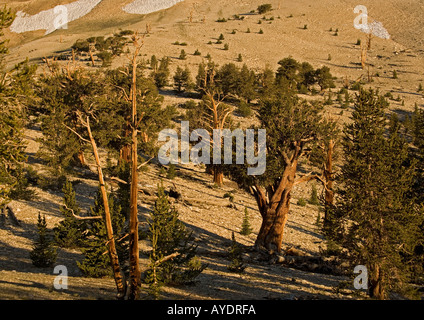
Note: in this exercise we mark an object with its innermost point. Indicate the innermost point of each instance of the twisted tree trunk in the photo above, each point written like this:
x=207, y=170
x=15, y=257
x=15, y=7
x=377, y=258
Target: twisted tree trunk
x=274, y=206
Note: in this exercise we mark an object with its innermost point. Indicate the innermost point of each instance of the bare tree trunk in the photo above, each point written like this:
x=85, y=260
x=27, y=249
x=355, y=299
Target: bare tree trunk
x=91, y=55
x=328, y=186
x=218, y=175
x=363, y=57
x=135, y=274
x=118, y=275
x=81, y=158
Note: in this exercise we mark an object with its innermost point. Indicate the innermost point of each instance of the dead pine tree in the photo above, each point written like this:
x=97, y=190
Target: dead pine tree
x=214, y=115
x=113, y=254
x=220, y=114
x=363, y=56
x=369, y=37
x=134, y=268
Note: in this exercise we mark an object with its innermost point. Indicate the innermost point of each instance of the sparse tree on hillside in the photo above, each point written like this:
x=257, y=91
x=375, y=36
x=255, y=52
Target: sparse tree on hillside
x=162, y=73
x=264, y=8
x=182, y=79
x=43, y=253
x=212, y=113
x=324, y=78
x=172, y=259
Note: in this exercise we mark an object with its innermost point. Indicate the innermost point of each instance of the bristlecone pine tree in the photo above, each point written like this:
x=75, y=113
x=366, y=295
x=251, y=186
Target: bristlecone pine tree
x=43, y=253
x=379, y=219
x=292, y=127
x=69, y=232
x=172, y=259
x=96, y=262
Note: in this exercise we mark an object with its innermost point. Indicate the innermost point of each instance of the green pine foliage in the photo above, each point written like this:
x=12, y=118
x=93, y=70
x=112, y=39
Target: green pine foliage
x=112, y=129
x=168, y=236
x=264, y=8
x=161, y=75
x=183, y=55
x=314, y=200
x=235, y=256
x=96, y=262
x=171, y=173
x=379, y=223
x=244, y=109
x=182, y=79
x=15, y=94
x=246, y=228
x=43, y=253
x=69, y=233
x=61, y=97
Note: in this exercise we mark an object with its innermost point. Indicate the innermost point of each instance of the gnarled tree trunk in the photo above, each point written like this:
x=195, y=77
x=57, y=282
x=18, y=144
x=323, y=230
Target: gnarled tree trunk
x=274, y=208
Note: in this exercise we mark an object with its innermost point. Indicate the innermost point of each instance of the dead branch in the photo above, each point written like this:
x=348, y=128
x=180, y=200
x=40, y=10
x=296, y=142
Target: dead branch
x=82, y=218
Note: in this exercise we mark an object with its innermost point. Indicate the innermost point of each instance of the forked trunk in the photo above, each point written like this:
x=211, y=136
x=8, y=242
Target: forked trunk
x=275, y=211
x=270, y=235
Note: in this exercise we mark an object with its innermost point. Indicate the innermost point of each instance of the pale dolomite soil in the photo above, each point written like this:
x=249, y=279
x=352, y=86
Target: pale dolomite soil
x=149, y=6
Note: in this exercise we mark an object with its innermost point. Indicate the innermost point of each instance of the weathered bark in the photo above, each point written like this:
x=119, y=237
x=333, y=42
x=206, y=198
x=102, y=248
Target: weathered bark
x=135, y=275
x=376, y=289
x=90, y=51
x=125, y=154
x=113, y=254
x=218, y=175
x=81, y=158
x=274, y=209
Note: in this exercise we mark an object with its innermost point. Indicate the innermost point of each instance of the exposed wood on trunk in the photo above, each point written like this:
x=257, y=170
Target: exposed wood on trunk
x=90, y=51
x=134, y=280
x=118, y=275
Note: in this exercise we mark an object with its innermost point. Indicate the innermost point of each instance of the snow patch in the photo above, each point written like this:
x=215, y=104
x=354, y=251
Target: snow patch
x=149, y=6
x=52, y=19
